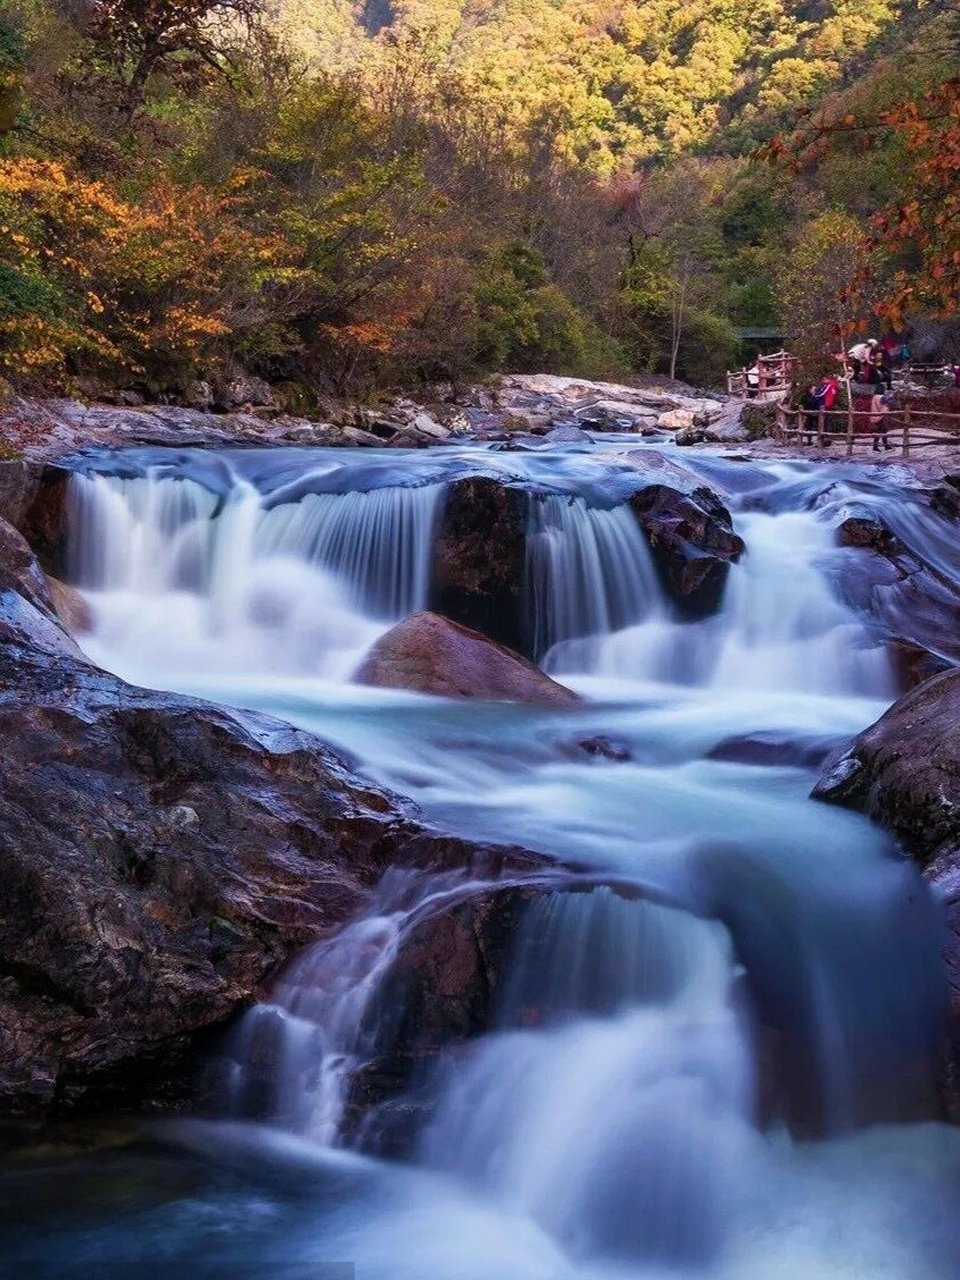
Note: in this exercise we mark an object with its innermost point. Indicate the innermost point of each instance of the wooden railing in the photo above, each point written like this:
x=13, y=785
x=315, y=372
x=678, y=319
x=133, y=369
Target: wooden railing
x=906, y=429
x=774, y=375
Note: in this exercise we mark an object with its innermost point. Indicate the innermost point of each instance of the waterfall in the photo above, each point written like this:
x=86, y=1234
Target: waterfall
x=599, y=1110
x=588, y=573
x=608, y=1102
x=182, y=578
x=780, y=626
x=294, y=1055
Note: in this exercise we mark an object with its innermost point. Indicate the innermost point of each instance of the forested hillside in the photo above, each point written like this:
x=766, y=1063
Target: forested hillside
x=344, y=197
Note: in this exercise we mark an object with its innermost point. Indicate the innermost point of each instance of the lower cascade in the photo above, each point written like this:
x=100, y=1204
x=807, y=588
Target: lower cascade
x=704, y=1046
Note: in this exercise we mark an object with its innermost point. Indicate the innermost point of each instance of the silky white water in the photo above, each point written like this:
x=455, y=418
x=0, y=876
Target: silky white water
x=613, y=1120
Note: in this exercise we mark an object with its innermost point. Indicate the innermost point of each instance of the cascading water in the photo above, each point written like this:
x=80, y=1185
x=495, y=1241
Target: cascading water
x=604, y=1105
x=288, y=587
x=781, y=626
x=606, y=1125
x=588, y=571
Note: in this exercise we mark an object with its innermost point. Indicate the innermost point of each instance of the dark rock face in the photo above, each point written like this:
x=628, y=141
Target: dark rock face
x=904, y=771
x=431, y=654
x=479, y=559
x=867, y=531
x=909, y=603
x=693, y=544
x=442, y=991
x=45, y=519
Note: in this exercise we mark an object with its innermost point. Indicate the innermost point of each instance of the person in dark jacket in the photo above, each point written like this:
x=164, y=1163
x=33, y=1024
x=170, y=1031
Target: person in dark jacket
x=811, y=404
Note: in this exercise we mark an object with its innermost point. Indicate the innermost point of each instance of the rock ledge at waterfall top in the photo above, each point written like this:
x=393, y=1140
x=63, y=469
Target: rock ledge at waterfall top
x=692, y=541
x=42, y=430
x=430, y=654
x=160, y=858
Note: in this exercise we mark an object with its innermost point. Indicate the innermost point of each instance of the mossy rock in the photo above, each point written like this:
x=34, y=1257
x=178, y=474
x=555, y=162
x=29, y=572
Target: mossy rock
x=758, y=419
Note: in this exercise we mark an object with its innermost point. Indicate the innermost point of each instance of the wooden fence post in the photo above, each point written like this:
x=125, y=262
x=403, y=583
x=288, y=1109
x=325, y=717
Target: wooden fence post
x=820, y=429
x=906, y=431
x=849, y=425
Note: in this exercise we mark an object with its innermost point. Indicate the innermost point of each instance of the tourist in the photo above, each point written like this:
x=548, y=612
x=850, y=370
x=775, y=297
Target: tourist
x=829, y=391
x=753, y=379
x=880, y=406
x=860, y=353
x=810, y=405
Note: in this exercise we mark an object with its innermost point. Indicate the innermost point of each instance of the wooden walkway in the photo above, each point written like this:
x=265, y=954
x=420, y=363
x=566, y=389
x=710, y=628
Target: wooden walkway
x=906, y=429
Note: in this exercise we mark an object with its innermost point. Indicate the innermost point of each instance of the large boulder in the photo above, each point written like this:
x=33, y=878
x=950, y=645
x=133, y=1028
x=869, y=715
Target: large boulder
x=693, y=544
x=431, y=654
x=478, y=564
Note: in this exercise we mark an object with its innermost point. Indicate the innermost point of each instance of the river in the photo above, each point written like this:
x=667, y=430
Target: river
x=619, y=1134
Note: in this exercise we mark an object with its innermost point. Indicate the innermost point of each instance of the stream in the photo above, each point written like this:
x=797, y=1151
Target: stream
x=618, y=1135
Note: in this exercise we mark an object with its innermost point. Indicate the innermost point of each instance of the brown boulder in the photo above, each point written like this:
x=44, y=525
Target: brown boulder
x=70, y=606
x=693, y=544
x=430, y=654
x=478, y=565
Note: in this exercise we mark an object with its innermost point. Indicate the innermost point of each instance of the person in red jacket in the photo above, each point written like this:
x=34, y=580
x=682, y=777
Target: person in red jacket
x=828, y=391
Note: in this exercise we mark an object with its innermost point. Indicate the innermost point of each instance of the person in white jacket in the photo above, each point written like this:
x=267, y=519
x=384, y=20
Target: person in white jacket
x=860, y=353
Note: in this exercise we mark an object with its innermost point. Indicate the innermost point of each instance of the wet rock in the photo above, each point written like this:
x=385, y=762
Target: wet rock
x=676, y=420
x=568, y=433
x=870, y=532
x=906, y=602
x=19, y=483
x=45, y=520
x=70, y=606
x=904, y=772
x=693, y=544
x=604, y=748
x=478, y=565
x=430, y=654
x=774, y=750
x=442, y=991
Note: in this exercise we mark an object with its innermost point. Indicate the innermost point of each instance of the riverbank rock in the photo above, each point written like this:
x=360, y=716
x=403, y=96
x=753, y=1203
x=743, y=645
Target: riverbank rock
x=911, y=604
x=904, y=772
x=478, y=562
x=431, y=654
x=70, y=606
x=693, y=544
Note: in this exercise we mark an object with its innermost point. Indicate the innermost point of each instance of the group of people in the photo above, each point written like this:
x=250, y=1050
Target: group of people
x=868, y=372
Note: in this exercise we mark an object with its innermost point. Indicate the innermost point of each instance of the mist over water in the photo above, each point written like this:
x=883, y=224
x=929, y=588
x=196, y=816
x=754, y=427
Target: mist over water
x=614, y=1120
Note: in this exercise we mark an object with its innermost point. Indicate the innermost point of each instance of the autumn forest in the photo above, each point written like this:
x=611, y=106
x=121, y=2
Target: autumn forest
x=343, y=197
